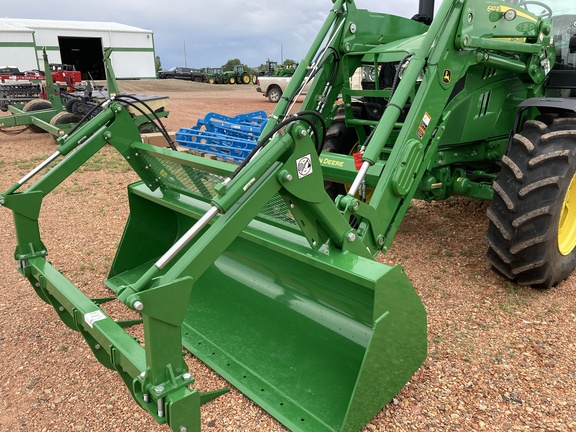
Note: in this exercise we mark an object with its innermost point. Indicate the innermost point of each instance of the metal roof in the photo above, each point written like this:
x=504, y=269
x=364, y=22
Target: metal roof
x=16, y=24
x=9, y=26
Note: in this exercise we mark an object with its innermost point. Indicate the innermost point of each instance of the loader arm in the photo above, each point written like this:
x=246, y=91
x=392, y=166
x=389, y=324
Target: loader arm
x=462, y=36
x=208, y=244
x=403, y=144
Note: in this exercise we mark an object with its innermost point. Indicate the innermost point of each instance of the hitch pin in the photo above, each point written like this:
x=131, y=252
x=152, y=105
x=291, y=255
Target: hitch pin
x=160, y=407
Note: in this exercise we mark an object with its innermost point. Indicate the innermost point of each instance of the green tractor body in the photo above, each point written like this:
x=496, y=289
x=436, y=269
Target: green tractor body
x=266, y=271
x=236, y=76
x=272, y=68
x=213, y=75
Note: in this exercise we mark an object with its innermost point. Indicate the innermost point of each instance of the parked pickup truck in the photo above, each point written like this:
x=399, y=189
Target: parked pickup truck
x=272, y=87
x=182, y=73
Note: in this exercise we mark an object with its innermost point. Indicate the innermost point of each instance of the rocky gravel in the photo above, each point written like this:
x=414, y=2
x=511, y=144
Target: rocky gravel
x=501, y=357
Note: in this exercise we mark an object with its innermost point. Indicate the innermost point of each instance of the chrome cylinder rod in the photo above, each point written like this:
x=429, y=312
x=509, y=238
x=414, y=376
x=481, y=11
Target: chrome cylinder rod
x=189, y=235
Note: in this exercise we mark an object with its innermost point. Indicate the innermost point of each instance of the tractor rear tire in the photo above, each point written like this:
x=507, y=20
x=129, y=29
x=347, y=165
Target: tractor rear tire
x=36, y=105
x=211, y=80
x=245, y=78
x=254, y=79
x=532, y=219
x=343, y=140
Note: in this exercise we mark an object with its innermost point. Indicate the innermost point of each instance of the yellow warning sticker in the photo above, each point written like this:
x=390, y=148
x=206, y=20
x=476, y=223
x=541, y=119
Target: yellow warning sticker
x=423, y=125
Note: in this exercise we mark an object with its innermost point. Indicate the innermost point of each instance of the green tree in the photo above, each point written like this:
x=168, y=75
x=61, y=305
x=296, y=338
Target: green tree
x=157, y=63
x=229, y=65
x=288, y=62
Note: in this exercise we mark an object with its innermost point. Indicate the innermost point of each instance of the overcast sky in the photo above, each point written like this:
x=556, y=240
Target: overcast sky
x=209, y=33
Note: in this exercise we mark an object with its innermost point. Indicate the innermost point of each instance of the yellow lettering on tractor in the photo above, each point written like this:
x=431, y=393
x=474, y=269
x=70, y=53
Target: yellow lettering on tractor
x=326, y=161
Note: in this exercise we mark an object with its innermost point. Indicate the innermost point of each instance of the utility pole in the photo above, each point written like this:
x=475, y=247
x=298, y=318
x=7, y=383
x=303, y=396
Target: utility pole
x=281, y=54
x=185, y=61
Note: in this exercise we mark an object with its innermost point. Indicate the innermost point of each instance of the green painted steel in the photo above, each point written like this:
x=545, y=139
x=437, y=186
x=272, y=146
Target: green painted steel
x=255, y=269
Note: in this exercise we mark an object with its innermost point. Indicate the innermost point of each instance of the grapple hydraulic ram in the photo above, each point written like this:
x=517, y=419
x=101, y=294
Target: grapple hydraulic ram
x=256, y=269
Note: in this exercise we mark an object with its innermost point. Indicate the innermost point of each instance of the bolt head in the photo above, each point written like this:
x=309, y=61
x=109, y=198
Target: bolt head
x=351, y=237
x=138, y=305
x=159, y=389
x=186, y=376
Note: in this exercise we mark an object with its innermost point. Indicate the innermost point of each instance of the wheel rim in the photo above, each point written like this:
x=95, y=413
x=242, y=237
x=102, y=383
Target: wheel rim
x=275, y=96
x=567, y=225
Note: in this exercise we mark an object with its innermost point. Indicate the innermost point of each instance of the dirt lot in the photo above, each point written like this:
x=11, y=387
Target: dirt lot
x=501, y=357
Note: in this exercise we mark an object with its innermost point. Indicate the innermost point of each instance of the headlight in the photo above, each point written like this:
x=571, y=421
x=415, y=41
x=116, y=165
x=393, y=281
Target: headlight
x=403, y=68
x=368, y=73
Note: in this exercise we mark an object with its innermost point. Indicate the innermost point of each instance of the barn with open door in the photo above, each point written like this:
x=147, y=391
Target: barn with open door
x=78, y=43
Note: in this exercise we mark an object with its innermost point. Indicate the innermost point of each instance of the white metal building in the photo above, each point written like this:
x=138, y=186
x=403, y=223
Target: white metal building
x=80, y=43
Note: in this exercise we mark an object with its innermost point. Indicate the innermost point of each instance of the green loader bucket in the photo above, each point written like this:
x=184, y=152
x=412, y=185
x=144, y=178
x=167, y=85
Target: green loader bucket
x=259, y=276
x=321, y=340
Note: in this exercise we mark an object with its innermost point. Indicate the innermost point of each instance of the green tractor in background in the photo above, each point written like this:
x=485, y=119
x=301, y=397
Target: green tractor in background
x=212, y=75
x=272, y=68
x=236, y=76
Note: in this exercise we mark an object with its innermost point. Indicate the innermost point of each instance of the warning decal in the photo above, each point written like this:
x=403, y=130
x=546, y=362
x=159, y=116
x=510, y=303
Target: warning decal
x=423, y=125
x=304, y=166
x=92, y=317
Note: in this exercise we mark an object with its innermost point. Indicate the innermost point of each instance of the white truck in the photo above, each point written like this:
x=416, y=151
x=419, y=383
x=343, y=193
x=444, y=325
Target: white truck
x=273, y=87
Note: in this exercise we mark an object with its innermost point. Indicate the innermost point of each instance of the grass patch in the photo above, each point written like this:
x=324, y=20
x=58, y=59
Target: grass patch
x=32, y=383
x=28, y=164
x=514, y=297
x=109, y=162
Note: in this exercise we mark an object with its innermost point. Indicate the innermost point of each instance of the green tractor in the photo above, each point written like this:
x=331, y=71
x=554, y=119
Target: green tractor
x=236, y=76
x=266, y=271
x=212, y=75
x=272, y=68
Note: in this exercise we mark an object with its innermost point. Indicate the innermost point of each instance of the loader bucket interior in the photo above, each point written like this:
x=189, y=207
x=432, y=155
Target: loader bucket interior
x=320, y=341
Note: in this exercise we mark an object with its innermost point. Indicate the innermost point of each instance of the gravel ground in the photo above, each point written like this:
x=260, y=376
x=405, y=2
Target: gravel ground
x=500, y=356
